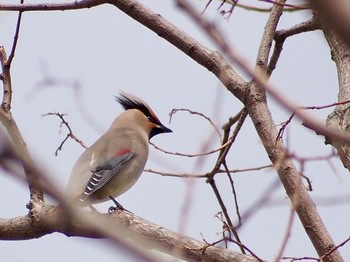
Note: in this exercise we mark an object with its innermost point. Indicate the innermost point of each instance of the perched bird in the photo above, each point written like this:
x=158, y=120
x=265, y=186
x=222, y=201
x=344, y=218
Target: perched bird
x=116, y=160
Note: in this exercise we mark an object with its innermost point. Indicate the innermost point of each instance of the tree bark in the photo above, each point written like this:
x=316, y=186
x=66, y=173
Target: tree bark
x=49, y=219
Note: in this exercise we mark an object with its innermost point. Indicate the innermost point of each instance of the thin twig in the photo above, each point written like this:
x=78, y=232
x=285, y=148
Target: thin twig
x=15, y=38
x=292, y=259
x=284, y=4
x=191, y=155
x=220, y=161
x=186, y=175
x=334, y=248
x=283, y=127
x=286, y=236
x=325, y=106
x=182, y=175
x=280, y=36
x=76, y=5
x=289, y=8
x=288, y=121
x=70, y=133
x=211, y=122
x=234, y=194
x=228, y=239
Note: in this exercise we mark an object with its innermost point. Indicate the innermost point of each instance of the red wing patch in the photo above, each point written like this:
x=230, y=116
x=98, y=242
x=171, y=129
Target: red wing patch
x=122, y=152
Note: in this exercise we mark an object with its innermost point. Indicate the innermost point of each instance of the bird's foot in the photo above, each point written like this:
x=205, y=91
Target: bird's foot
x=117, y=206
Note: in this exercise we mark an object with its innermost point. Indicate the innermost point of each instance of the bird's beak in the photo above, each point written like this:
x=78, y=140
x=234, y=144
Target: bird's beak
x=159, y=129
x=164, y=129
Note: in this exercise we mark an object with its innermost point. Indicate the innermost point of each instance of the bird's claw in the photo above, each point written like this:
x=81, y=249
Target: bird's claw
x=111, y=209
x=117, y=206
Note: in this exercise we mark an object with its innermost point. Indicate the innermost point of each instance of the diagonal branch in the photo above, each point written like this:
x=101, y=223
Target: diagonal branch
x=334, y=19
x=256, y=104
x=282, y=35
x=70, y=133
x=15, y=39
x=221, y=160
x=13, y=131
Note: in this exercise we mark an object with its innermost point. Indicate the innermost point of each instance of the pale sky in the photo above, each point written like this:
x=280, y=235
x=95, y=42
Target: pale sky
x=103, y=51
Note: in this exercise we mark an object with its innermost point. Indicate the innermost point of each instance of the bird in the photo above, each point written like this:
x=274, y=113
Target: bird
x=113, y=164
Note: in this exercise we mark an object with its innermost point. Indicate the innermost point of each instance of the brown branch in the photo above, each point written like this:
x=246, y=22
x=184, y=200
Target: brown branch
x=287, y=8
x=226, y=140
x=292, y=259
x=76, y=5
x=15, y=39
x=182, y=175
x=229, y=238
x=155, y=237
x=64, y=219
x=255, y=100
x=266, y=41
x=6, y=79
x=186, y=175
x=241, y=116
x=325, y=106
x=237, y=86
x=286, y=236
x=190, y=155
x=283, y=4
x=283, y=127
x=210, y=59
x=234, y=194
x=288, y=121
x=119, y=227
x=211, y=122
x=334, y=19
x=334, y=249
x=70, y=132
x=13, y=131
x=281, y=35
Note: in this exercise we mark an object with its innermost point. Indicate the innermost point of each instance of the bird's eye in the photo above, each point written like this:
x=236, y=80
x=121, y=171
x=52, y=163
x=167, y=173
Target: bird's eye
x=150, y=118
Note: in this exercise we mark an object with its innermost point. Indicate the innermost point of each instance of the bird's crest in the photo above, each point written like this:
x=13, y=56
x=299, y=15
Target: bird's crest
x=132, y=102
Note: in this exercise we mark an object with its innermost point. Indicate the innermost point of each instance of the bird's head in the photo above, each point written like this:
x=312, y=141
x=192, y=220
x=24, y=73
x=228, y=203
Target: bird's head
x=149, y=119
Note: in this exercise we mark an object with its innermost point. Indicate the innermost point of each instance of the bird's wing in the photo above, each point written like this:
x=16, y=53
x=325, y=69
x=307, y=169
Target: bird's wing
x=105, y=171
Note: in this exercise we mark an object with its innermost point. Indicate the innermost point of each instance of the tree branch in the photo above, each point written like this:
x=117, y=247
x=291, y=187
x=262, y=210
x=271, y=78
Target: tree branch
x=281, y=35
x=52, y=6
x=255, y=102
x=12, y=129
x=338, y=38
x=151, y=236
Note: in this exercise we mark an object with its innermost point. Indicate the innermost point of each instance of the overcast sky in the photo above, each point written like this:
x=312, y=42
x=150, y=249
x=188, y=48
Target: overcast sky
x=102, y=51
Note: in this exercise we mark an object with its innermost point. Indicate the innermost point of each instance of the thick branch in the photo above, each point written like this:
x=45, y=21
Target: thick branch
x=152, y=236
x=333, y=19
x=282, y=35
x=256, y=105
x=211, y=60
x=258, y=110
x=12, y=130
